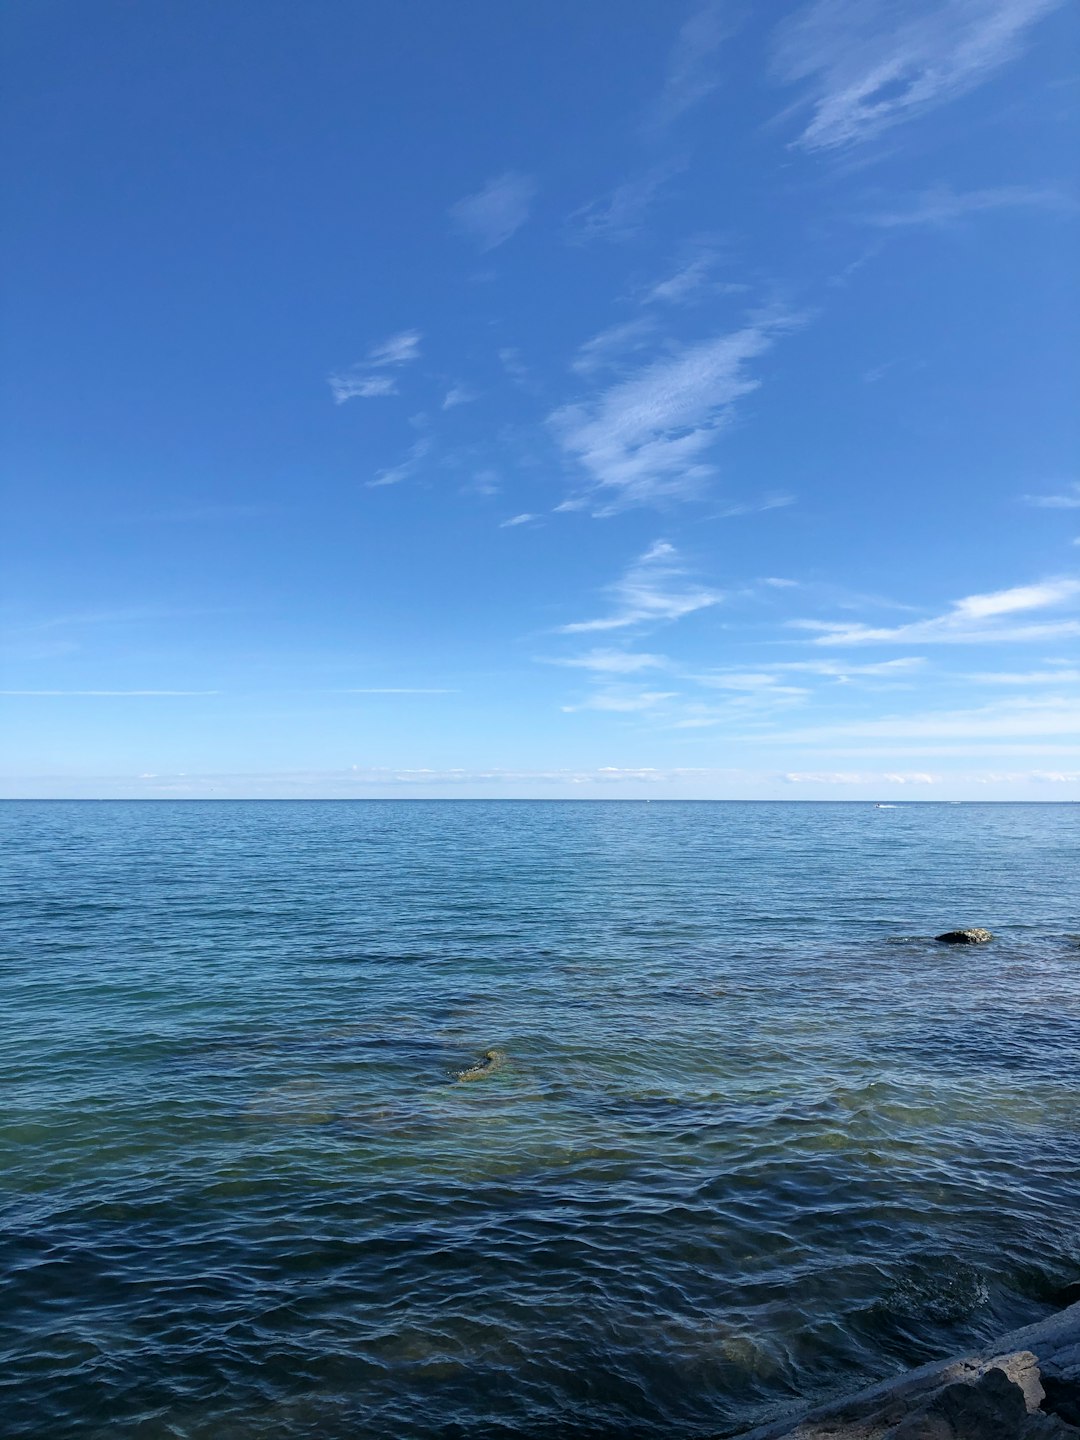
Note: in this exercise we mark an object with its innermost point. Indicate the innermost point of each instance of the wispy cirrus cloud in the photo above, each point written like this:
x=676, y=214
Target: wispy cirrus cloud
x=620, y=213
x=841, y=670
x=653, y=590
x=353, y=385
x=400, y=349
x=867, y=65
x=644, y=439
x=1052, y=720
x=611, y=348
x=458, y=395
x=748, y=682
x=1061, y=675
x=1067, y=499
x=857, y=777
x=494, y=213
x=693, y=279
x=621, y=702
x=109, y=694
x=692, y=72
x=690, y=76
x=405, y=469
x=943, y=206
x=611, y=662
x=525, y=518
x=973, y=620
x=756, y=507
x=511, y=361
x=367, y=380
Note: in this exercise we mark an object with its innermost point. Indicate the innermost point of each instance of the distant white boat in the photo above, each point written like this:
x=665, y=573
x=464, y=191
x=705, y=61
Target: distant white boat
x=884, y=807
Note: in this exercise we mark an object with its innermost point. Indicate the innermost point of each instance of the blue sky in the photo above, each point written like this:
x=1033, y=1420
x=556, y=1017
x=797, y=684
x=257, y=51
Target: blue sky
x=619, y=399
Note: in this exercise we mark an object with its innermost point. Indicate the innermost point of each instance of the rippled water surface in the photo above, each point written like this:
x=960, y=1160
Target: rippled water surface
x=750, y=1135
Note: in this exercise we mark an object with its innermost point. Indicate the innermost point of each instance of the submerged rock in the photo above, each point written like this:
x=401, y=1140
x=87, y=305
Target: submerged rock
x=493, y=1060
x=974, y=936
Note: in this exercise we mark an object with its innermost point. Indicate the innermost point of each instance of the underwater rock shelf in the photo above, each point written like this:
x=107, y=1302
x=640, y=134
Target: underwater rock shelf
x=1025, y=1386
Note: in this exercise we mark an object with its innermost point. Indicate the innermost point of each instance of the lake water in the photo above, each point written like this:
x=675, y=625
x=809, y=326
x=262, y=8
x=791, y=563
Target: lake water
x=756, y=1136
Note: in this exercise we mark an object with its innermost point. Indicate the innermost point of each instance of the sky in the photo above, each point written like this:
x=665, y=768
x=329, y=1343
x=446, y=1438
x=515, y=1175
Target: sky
x=609, y=400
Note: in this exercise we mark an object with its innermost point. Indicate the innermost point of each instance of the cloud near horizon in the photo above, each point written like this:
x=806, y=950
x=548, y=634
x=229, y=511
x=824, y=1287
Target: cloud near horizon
x=972, y=620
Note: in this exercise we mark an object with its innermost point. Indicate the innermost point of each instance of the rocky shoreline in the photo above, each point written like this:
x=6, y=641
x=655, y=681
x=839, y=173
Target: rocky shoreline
x=1024, y=1386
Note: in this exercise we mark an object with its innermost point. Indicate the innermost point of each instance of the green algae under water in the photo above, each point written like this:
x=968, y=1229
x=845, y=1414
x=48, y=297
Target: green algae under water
x=751, y=1135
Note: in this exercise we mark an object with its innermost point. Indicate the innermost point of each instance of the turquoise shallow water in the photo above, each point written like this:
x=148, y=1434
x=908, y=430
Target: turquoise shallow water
x=757, y=1137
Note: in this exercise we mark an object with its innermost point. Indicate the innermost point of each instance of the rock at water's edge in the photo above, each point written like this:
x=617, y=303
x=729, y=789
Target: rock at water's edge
x=1026, y=1386
x=965, y=937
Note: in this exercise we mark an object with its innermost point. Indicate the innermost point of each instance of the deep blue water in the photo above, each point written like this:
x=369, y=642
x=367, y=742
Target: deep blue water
x=756, y=1136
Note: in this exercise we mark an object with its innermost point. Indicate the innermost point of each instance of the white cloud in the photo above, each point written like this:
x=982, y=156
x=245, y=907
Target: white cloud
x=594, y=782
x=1068, y=499
x=510, y=360
x=686, y=281
x=692, y=73
x=644, y=438
x=458, y=395
x=691, y=279
x=612, y=662
x=523, y=519
x=358, y=382
x=1062, y=676
x=405, y=470
x=620, y=214
x=484, y=482
x=609, y=349
x=867, y=65
x=353, y=385
x=840, y=670
x=1018, y=598
x=749, y=681
x=849, y=777
x=652, y=590
x=622, y=703
x=1018, y=720
x=400, y=349
x=755, y=507
x=970, y=621
x=944, y=206
x=108, y=693
x=493, y=214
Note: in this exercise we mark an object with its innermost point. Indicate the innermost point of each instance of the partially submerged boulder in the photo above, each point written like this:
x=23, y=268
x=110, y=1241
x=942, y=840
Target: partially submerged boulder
x=493, y=1060
x=974, y=936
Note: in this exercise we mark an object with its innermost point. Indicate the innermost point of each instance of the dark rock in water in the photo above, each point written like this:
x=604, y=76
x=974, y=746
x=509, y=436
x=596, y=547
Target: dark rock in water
x=1066, y=1294
x=964, y=937
x=1062, y=1397
x=990, y=1408
x=1026, y=1386
x=493, y=1060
